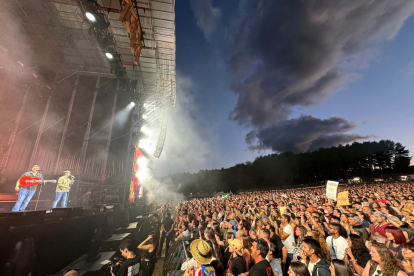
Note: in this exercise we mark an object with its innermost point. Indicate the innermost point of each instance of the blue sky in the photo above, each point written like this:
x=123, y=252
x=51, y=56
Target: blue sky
x=374, y=99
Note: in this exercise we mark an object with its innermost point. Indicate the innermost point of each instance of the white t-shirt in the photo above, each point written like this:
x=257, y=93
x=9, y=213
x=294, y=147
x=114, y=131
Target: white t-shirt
x=312, y=265
x=289, y=240
x=186, y=233
x=337, y=247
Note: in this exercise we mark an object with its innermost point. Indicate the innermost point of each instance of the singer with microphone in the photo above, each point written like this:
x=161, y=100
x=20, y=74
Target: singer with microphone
x=62, y=188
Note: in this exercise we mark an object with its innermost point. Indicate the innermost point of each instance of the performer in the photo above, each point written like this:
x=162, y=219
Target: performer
x=26, y=193
x=62, y=188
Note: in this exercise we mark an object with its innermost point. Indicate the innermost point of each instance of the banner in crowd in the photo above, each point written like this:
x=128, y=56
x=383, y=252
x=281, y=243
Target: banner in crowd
x=343, y=198
x=332, y=189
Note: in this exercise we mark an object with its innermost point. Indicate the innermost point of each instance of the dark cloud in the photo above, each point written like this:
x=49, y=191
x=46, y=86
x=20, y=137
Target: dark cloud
x=296, y=53
x=302, y=134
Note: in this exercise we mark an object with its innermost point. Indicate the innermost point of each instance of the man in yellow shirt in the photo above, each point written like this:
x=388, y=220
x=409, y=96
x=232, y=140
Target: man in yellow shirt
x=62, y=188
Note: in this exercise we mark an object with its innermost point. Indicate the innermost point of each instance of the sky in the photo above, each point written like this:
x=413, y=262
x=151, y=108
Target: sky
x=261, y=77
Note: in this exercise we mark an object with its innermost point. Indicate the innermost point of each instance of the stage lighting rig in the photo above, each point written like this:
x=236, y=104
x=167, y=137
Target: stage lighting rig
x=99, y=27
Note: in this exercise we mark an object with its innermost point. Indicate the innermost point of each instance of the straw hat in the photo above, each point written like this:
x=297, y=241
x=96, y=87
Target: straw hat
x=201, y=251
x=407, y=209
x=237, y=246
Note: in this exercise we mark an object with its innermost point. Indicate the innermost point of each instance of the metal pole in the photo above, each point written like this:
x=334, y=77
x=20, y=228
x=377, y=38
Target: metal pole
x=108, y=141
x=65, y=129
x=86, y=138
x=38, y=196
x=88, y=128
x=42, y=124
x=10, y=143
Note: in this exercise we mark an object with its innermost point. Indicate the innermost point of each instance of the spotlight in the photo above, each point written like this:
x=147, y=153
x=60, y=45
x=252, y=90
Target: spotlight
x=144, y=129
x=142, y=161
x=132, y=103
x=142, y=174
x=143, y=116
x=90, y=16
x=109, y=55
x=144, y=105
x=146, y=145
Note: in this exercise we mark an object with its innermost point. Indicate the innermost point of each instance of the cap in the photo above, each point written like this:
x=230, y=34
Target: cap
x=382, y=200
x=357, y=218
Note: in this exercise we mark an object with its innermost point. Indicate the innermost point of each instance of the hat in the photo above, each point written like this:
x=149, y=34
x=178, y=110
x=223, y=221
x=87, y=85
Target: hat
x=237, y=246
x=357, y=218
x=201, y=252
x=66, y=172
x=379, y=213
x=382, y=200
x=407, y=209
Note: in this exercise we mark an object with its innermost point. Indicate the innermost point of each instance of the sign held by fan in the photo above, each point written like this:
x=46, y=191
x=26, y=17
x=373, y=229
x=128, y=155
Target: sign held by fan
x=332, y=189
x=343, y=199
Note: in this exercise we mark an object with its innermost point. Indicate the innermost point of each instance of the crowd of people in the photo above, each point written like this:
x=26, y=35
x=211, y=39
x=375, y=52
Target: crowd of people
x=299, y=232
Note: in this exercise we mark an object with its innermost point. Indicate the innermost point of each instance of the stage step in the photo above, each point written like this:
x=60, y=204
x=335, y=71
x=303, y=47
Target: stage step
x=113, y=242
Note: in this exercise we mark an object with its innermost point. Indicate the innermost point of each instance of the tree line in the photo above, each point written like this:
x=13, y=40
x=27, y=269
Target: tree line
x=366, y=160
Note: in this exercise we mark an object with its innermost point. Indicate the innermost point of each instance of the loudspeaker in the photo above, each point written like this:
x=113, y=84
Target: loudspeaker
x=93, y=210
x=108, y=226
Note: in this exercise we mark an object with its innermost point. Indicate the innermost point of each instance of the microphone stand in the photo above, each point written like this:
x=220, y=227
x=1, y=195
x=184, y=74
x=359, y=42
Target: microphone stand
x=38, y=196
x=67, y=197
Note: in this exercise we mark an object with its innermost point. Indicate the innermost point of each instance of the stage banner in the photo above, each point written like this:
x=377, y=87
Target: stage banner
x=343, y=198
x=332, y=189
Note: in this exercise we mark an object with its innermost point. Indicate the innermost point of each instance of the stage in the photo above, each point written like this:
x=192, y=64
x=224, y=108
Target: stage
x=45, y=243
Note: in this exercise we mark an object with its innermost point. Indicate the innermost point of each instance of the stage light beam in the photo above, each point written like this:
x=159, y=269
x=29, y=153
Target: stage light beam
x=109, y=55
